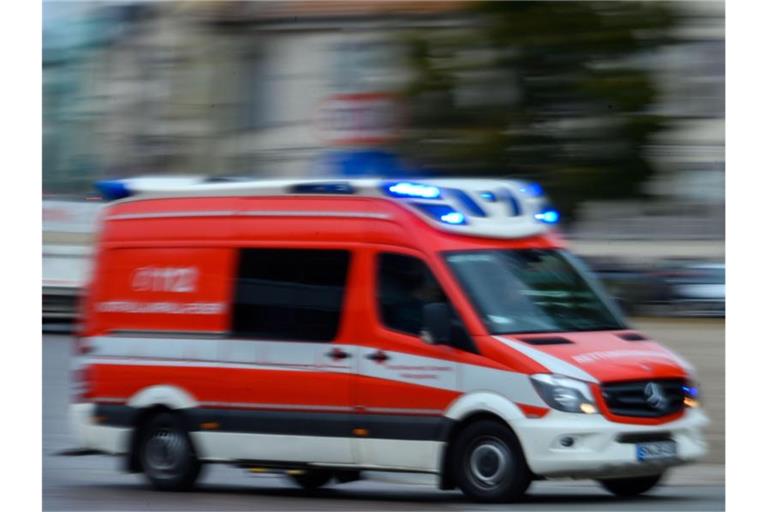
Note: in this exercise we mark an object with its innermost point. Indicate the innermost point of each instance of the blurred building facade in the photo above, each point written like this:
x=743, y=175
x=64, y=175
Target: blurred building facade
x=689, y=186
x=270, y=89
x=215, y=88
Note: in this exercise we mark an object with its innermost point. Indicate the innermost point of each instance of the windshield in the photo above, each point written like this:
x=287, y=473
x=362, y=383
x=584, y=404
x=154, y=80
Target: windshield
x=533, y=290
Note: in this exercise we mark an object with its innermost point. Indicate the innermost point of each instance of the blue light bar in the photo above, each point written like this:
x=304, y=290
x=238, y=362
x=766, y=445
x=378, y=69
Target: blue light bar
x=408, y=189
x=323, y=188
x=112, y=190
x=442, y=212
x=468, y=204
x=453, y=218
x=488, y=196
x=548, y=216
x=532, y=189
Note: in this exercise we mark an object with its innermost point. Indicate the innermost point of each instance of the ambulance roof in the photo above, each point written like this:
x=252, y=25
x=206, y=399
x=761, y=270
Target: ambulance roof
x=476, y=207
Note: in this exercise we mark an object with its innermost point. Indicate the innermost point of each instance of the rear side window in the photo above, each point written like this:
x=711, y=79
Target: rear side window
x=289, y=294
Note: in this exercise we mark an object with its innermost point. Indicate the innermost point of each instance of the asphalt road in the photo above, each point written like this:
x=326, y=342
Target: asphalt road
x=95, y=482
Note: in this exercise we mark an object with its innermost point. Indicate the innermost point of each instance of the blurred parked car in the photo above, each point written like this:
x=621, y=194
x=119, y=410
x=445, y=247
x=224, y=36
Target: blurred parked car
x=674, y=287
x=693, y=288
x=630, y=286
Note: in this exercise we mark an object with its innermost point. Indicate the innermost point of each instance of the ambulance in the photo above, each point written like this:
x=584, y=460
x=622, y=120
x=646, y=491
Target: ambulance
x=329, y=329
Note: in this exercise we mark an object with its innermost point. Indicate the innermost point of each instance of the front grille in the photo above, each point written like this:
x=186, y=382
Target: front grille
x=643, y=437
x=645, y=399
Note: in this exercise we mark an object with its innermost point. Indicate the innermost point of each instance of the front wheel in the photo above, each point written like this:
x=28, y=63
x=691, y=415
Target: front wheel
x=626, y=487
x=488, y=463
x=312, y=479
x=166, y=453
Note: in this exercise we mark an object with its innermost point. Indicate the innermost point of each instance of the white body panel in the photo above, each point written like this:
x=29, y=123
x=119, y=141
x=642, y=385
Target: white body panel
x=113, y=440
x=230, y=446
x=596, y=451
x=401, y=454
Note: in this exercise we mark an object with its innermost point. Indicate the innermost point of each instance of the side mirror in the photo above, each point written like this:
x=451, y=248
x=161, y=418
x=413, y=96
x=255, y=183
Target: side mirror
x=436, y=323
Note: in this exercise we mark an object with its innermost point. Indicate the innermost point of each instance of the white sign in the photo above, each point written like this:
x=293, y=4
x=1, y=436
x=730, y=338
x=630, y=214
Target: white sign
x=70, y=216
x=359, y=119
x=165, y=279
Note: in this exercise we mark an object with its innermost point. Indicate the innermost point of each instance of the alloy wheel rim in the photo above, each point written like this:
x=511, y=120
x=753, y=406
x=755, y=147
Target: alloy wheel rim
x=164, y=451
x=489, y=462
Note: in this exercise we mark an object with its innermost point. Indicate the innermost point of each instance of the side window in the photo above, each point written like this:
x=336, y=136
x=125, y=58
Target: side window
x=404, y=285
x=289, y=294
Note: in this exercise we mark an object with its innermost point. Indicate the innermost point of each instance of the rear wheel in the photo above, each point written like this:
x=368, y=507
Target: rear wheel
x=312, y=479
x=166, y=454
x=488, y=463
x=630, y=486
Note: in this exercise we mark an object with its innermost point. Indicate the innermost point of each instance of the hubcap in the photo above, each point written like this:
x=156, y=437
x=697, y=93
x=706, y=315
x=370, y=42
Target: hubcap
x=489, y=461
x=164, y=451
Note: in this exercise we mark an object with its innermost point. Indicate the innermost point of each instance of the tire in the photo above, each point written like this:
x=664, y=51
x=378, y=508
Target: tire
x=488, y=464
x=312, y=479
x=626, y=487
x=167, y=456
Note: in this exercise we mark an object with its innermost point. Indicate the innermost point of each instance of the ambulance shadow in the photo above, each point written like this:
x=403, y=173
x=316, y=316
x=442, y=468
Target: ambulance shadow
x=404, y=495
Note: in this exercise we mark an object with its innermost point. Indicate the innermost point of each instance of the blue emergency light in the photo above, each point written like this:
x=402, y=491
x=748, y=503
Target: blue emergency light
x=412, y=190
x=548, y=216
x=532, y=189
x=112, y=190
x=442, y=212
x=453, y=218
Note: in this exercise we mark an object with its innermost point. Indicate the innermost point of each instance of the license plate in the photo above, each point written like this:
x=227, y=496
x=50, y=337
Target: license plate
x=659, y=450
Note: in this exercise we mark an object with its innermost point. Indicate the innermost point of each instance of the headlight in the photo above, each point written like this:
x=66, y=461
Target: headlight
x=564, y=393
x=691, y=394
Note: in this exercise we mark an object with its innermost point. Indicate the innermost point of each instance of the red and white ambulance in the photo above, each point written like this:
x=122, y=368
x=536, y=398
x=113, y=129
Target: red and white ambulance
x=324, y=329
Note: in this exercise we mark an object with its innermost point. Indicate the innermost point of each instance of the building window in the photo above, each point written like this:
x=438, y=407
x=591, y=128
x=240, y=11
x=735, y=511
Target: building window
x=289, y=294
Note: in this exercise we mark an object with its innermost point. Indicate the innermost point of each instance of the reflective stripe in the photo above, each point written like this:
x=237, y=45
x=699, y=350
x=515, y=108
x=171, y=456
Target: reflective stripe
x=297, y=407
x=552, y=363
x=140, y=361
x=282, y=407
x=110, y=400
x=281, y=213
x=168, y=334
x=402, y=410
x=315, y=423
x=211, y=352
x=297, y=356
x=247, y=213
x=171, y=215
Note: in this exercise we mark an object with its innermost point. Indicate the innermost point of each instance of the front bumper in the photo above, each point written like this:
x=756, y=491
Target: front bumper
x=597, y=451
x=89, y=434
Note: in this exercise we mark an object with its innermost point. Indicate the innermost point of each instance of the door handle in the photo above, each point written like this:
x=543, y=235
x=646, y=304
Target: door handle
x=379, y=356
x=337, y=354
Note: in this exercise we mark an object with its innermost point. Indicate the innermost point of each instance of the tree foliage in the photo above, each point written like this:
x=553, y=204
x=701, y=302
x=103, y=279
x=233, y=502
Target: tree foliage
x=559, y=92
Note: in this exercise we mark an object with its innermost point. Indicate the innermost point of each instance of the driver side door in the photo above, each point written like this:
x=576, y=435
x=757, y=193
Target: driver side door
x=404, y=384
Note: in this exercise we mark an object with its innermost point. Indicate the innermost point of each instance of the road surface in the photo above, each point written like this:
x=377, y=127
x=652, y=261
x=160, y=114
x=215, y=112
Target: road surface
x=95, y=482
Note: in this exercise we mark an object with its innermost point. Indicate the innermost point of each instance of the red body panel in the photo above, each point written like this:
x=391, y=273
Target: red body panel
x=134, y=290
x=609, y=358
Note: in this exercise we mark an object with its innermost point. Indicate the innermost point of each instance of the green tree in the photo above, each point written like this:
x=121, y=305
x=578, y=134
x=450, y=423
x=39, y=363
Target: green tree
x=551, y=91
